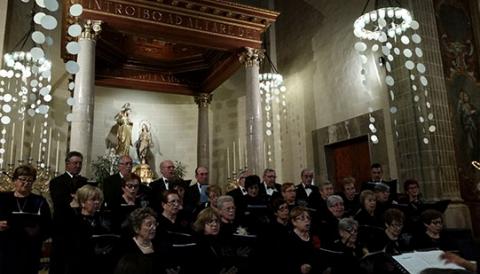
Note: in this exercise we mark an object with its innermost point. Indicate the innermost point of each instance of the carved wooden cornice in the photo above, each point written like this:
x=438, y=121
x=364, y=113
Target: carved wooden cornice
x=176, y=46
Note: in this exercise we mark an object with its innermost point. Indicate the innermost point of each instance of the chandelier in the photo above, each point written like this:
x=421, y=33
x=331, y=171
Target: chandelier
x=391, y=34
x=273, y=93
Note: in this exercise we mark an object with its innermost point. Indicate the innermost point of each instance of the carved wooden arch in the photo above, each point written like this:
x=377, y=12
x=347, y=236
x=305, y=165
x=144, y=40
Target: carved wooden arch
x=175, y=46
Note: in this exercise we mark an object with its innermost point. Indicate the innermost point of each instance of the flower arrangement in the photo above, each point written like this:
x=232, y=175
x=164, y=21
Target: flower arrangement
x=105, y=166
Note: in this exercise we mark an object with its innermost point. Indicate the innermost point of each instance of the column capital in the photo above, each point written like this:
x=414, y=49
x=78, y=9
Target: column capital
x=251, y=56
x=91, y=29
x=203, y=99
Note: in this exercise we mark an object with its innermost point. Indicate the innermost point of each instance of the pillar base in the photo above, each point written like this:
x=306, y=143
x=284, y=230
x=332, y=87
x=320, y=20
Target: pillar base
x=458, y=215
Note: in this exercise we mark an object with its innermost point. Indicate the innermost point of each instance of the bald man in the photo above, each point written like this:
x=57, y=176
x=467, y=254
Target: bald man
x=167, y=169
x=112, y=185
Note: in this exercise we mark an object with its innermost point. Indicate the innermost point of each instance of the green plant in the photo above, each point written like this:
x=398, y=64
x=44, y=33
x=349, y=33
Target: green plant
x=105, y=166
x=180, y=169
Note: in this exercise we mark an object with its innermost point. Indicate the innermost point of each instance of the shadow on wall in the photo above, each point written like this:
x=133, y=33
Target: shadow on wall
x=296, y=27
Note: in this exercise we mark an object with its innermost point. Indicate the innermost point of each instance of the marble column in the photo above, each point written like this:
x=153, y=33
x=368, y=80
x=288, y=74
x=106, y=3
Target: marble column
x=3, y=27
x=203, y=153
x=251, y=58
x=82, y=121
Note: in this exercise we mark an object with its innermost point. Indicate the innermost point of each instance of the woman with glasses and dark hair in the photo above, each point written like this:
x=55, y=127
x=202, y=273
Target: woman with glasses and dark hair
x=130, y=200
x=209, y=257
x=143, y=223
x=302, y=255
x=25, y=222
x=139, y=250
x=273, y=237
x=168, y=220
x=431, y=236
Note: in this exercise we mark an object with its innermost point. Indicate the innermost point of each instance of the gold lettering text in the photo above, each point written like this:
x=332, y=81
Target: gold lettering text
x=118, y=9
x=178, y=20
x=130, y=11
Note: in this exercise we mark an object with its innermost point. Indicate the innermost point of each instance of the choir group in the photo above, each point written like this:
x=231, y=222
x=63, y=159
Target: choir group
x=124, y=226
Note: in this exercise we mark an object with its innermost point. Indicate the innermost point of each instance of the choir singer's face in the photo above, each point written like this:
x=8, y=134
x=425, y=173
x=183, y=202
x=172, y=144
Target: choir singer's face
x=74, y=165
x=91, y=205
x=23, y=185
x=148, y=228
x=228, y=212
x=302, y=222
x=370, y=203
x=212, y=227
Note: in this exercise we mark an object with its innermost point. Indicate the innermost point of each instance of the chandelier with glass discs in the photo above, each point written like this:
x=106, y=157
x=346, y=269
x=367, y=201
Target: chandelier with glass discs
x=391, y=32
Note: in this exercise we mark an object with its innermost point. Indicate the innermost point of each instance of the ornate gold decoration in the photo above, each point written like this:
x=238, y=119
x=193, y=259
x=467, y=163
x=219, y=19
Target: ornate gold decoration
x=476, y=164
x=144, y=172
x=203, y=99
x=251, y=56
x=92, y=29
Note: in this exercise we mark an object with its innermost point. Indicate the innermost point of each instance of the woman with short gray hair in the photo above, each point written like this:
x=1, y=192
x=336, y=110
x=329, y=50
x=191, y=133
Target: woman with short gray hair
x=328, y=228
x=350, y=252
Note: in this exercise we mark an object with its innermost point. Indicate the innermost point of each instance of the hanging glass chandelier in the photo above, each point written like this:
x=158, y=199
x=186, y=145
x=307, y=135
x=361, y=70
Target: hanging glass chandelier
x=25, y=89
x=391, y=32
x=273, y=93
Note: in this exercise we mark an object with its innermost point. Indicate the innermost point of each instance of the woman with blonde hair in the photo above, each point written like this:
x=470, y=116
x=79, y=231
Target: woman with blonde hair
x=89, y=249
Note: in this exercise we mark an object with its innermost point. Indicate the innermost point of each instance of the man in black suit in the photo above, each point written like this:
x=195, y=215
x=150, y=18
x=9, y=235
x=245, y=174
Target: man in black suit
x=196, y=194
x=269, y=189
x=240, y=192
x=376, y=172
x=167, y=169
x=307, y=193
x=62, y=189
x=112, y=185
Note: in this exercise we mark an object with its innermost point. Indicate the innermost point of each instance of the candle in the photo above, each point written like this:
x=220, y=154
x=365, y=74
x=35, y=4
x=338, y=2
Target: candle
x=49, y=146
x=57, y=155
x=245, y=155
x=33, y=138
x=228, y=162
x=239, y=154
x=12, y=145
x=40, y=144
x=22, y=139
x=234, y=166
x=265, y=154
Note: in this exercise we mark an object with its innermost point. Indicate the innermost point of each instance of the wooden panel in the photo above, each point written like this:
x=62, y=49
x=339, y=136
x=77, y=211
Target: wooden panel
x=349, y=158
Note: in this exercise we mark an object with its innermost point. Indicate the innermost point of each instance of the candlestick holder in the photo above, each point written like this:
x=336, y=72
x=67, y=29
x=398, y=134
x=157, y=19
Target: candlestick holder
x=30, y=160
x=43, y=179
x=231, y=184
x=11, y=168
x=5, y=179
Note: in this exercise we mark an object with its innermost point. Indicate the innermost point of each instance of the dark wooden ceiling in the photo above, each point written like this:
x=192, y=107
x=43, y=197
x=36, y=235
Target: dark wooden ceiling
x=174, y=46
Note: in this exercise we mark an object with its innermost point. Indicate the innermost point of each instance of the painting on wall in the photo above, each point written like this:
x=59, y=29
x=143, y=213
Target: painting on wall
x=461, y=70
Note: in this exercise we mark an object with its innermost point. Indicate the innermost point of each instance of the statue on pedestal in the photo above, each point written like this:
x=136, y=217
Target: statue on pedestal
x=124, y=131
x=143, y=145
x=144, y=142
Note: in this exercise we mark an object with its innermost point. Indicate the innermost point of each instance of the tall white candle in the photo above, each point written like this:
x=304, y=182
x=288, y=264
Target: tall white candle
x=22, y=139
x=12, y=145
x=40, y=144
x=49, y=146
x=239, y=155
x=265, y=154
x=57, y=154
x=234, y=160
x=33, y=138
x=245, y=155
x=228, y=162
